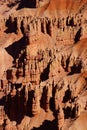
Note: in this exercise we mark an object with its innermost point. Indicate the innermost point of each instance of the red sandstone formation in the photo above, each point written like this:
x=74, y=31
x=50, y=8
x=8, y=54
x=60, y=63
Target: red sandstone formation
x=43, y=64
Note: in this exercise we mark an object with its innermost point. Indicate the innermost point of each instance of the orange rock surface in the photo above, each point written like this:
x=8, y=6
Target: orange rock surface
x=43, y=64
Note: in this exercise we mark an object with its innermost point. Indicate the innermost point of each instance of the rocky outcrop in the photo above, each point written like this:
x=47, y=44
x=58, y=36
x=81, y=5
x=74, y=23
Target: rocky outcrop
x=43, y=64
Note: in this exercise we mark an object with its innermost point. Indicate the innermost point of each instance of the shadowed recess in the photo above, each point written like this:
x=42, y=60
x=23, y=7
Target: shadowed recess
x=16, y=48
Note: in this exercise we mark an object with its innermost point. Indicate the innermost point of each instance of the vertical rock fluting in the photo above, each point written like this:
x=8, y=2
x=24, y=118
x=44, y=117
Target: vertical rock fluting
x=47, y=83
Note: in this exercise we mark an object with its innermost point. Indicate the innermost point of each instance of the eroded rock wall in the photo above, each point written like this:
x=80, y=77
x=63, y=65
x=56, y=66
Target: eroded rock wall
x=45, y=82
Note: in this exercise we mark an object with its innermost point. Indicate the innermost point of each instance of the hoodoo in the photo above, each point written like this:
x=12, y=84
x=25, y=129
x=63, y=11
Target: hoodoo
x=43, y=64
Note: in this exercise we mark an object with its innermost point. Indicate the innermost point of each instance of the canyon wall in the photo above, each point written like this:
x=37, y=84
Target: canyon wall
x=43, y=79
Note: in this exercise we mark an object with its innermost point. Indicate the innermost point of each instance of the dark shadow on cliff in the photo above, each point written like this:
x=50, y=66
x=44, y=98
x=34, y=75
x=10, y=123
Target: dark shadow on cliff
x=13, y=3
x=29, y=104
x=78, y=35
x=47, y=125
x=15, y=49
x=14, y=107
x=27, y=4
x=2, y=101
x=75, y=69
x=11, y=25
x=45, y=74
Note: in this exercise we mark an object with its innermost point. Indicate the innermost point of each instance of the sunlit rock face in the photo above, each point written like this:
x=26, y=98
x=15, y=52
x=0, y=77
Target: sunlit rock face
x=43, y=64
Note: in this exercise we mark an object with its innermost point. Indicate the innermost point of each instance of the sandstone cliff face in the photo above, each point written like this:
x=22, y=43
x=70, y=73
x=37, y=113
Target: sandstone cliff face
x=43, y=76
